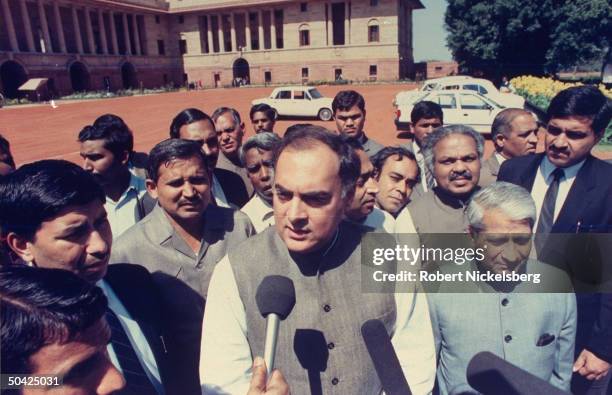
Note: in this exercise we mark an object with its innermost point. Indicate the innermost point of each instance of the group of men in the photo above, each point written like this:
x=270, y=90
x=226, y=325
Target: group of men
x=138, y=274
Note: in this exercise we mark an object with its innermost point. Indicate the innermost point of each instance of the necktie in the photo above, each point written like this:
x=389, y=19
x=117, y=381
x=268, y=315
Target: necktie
x=137, y=381
x=547, y=213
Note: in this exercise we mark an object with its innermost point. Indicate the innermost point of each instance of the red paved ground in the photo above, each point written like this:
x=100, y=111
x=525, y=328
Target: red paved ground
x=38, y=132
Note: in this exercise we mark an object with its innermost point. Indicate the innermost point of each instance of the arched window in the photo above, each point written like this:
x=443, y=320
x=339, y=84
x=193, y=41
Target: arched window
x=373, y=31
x=304, y=31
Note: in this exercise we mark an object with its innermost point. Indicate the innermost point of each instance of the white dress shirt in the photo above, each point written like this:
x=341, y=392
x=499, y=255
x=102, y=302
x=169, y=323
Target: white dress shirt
x=259, y=212
x=500, y=158
x=404, y=222
x=218, y=193
x=542, y=181
x=137, y=339
x=225, y=367
x=122, y=213
x=380, y=219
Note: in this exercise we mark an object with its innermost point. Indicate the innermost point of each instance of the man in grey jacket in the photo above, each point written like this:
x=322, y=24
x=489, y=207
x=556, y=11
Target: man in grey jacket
x=181, y=241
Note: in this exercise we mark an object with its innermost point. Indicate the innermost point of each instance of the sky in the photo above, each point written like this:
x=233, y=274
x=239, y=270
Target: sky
x=429, y=36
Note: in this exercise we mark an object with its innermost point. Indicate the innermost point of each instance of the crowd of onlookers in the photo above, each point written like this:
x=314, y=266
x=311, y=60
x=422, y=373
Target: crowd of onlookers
x=137, y=273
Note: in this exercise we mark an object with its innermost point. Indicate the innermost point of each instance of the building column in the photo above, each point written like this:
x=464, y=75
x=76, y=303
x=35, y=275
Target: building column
x=220, y=33
x=126, y=35
x=90, y=36
x=136, y=35
x=102, y=32
x=209, y=34
x=77, y=29
x=272, y=30
x=247, y=31
x=330, y=25
x=347, y=23
x=10, y=26
x=46, y=47
x=25, y=15
x=233, y=33
x=113, y=27
x=59, y=27
x=260, y=30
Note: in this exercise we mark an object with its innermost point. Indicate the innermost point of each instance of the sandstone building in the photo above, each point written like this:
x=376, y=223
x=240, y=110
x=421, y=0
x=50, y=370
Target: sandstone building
x=114, y=44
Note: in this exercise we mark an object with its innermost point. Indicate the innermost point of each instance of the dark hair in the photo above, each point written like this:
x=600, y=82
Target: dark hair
x=37, y=191
x=381, y=157
x=352, y=142
x=171, y=149
x=265, y=108
x=187, y=117
x=344, y=100
x=5, y=148
x=116, y=139
x=586, y=101
x=426, y=110
x=41, y=307
x=308, y=136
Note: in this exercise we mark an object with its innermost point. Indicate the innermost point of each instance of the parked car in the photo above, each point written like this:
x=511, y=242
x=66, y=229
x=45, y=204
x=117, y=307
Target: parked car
x=459, y=107
x=480, y=85
x=299, y=101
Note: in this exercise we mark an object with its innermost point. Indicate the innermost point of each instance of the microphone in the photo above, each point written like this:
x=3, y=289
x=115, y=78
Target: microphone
x=490, y=374
x=385, y=359
x=275, y=299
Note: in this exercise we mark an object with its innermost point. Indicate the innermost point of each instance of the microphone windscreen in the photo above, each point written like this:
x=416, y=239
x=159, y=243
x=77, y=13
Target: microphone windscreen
x=275, y=294
x=490, y=374
x=385, y=359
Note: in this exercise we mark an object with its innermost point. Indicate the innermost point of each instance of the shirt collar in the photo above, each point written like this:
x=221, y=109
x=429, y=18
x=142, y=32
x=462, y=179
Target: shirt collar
x=546, y=168
x=213, y=220
x=136, y=185
x=500, y=158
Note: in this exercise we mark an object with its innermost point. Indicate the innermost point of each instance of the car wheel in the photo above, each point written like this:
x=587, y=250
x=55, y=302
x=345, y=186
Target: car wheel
x=325, y=114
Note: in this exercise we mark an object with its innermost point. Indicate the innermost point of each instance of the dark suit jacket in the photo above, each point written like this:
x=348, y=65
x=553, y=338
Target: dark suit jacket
x=233, y=187
x=587, y=209
x=134, y=287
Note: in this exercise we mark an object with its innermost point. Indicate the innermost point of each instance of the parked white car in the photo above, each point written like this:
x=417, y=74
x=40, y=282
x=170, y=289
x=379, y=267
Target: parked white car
x=480, y=85
x=458, y=106
x=300, y=101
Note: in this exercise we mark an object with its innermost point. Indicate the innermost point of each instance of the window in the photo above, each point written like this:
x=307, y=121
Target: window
x=373, y=31
x=267, y=77
x=314, y=93
x=471, y=87
x=304, y=72
x=181, y=19
x=471, y=102
x=482, y=90
x=183, y=47
x=338, y=74
x=160, y=47
x=373, y=70
x=283, y=94
x=299, y=95
x=447, y=101
x=303, y=7
x=438, y=68
x=373, y=3
x=157, y=19
x=304, y=38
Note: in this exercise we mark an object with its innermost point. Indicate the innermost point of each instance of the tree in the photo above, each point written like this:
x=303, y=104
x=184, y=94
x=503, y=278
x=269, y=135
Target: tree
x=512, y=37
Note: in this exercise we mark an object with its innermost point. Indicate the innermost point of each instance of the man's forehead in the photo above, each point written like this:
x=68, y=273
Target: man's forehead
x=575, y=123
x=424, y=121
x=226, y=120
x=199, y=130
x=347, y=112
x=255, y=154
x=317, y=161
x=93, y=145
x=260, y=115
x=192, y=164
x=399, y=164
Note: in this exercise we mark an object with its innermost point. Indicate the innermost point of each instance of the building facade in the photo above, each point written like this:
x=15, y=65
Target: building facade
x=114, y=44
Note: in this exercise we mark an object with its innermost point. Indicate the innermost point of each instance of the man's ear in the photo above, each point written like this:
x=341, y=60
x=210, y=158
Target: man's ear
x=242, y=128
x=151, y=188
x=499, y=140
x=20, y=246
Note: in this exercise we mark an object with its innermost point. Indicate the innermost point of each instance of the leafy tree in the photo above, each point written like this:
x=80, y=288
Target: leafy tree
x=512, y=37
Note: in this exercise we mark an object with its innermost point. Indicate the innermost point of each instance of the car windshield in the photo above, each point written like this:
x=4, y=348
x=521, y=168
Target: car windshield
x=492, y=102
x=315, y=94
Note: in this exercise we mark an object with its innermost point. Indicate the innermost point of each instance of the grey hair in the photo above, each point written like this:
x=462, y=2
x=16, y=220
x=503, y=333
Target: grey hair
x=501, y=123
x=513, y=200
x=444, y=131
x=264, y=141
x=222, y=110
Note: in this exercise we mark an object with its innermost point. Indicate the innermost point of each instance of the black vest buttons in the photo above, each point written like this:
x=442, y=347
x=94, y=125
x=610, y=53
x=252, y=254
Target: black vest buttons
x=331, y=346
x=508, y=338
x=335, y=381
x=327, y=308
x=505, y=302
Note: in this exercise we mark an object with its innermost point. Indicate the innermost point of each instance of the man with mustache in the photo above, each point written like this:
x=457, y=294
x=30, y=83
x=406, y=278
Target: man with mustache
x=263, y=117
x=180, y=243
x=514, y=132
x=52, y=216
x=573, y=194
x=397, y=173
x=350, y=116
x=363, y=208
x=257, y=155
x=452, y=155
x=106, y=152
x=320, y=348
x=230, y=131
